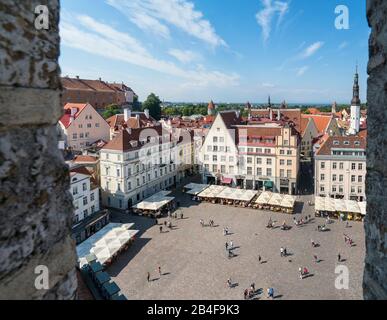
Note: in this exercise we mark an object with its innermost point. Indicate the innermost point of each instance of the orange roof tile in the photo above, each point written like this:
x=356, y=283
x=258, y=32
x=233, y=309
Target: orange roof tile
x=321, y=121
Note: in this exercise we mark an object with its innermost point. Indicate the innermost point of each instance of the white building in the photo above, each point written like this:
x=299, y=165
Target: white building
x=340, y=168
x=81, y=125
x=140, y=162
x=85, y=194
x=254, y=156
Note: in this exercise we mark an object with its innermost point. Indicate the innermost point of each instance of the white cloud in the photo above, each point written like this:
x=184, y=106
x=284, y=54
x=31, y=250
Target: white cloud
x=312, y=49
x=266, y=15
x=184, y=56
x=301, y=71
x=152, y=15
x=100, y=39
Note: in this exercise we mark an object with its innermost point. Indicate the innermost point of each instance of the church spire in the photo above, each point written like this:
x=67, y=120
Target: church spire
x=356, y=91
x=269, y=102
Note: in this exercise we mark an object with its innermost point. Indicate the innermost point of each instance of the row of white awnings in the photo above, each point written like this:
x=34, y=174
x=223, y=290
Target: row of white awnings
x=195, y=188
x=339, y=205
x=105, y=243
x=276, y=199
x=155, y=202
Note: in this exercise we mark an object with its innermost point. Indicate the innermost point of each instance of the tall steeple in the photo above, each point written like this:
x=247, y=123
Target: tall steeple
x=355, y=106
x=356, y=90
x=269, y=102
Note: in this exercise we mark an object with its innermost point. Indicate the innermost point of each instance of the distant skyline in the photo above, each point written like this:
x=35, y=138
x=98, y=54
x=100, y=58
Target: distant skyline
x=227, y=51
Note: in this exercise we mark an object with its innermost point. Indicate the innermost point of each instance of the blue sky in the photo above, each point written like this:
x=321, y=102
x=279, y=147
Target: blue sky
x=224, y=50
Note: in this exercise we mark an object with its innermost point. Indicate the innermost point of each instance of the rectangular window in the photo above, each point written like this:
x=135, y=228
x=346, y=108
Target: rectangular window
x=322, y=177
x=341, y=166
x=289, y=162
x=334, y=166
x=75, y=190
x=222, y=169
x=268, y=172
x=259, y=160
x=322, y=189
x=282, y=162
x=282, y=173
x=289, y=173
x=84, y=186
x=89, y=125
x=360, y=178
x=353, y=178
x=214, y=168
x=334, y=178
x=84, y=201
x=268, y=161
x=353, y=166
x=360, y=166
x=249, y=160
x=322, y=165
x=249, y=171
x=259, y=171
x=92, y=196
x=74, y=136
x=214, y=158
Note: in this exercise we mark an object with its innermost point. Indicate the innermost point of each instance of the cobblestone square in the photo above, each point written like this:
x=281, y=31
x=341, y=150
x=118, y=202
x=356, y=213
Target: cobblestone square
x=195, y=265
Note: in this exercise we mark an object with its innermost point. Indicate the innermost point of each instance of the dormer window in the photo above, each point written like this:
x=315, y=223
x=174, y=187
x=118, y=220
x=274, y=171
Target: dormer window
x=335, y=143
x=346, y=143
x=357, y=143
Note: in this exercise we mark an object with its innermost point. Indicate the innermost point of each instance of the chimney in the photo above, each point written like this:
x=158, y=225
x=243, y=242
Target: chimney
x=127, y=114
x=73, y=111
x=146, y=112
x=271, y=114
x=77, y=77
x=278, y=114
x=100, y=79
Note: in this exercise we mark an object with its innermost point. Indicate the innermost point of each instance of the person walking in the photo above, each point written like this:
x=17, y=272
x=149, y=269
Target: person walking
x=148, y=276
x=316, y=259
x=246, y=293
x=281, y=252
x=285, y=252
x=259, y=258
x=271, y=293
x=339, y=257
x=161, y=229
x=300, y=273
x=226, y=245
x=229, y=283
x=159, y=271
x=231, y=245
x=252, y=286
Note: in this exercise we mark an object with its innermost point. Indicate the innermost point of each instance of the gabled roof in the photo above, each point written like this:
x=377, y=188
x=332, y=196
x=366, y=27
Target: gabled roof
x=321, y=121
x=65, y=119
x=230, y=118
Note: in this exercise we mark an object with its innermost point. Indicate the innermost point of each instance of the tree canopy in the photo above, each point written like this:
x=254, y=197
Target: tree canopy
x=153, y=104
x=111, y=110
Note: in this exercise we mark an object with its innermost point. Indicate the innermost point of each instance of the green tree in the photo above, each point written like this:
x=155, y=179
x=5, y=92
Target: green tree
x=111, y=110
x=153, y=104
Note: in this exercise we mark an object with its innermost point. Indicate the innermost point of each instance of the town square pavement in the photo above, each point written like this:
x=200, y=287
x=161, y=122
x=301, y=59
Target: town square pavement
x=195, y=265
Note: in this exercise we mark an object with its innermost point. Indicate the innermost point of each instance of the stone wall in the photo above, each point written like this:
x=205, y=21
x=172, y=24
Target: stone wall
x=35, y=205
x=375, y=274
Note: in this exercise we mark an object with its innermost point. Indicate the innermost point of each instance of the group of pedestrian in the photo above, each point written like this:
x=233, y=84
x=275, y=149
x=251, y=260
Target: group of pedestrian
x=148, y=277
x=283, y=252
x=225, y=231
x=250, y=292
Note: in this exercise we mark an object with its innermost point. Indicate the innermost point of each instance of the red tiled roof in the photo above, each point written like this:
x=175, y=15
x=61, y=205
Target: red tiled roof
x=118, y=120
x=326, y=147
x=122, y=142
x=65, y=119
x=287, y=115
x=321, y=121
x=85, y=158
x=230, y=118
